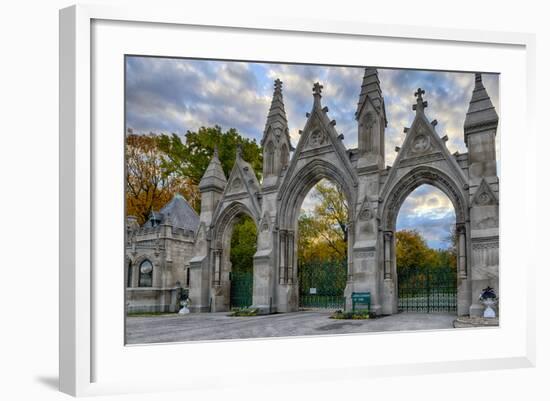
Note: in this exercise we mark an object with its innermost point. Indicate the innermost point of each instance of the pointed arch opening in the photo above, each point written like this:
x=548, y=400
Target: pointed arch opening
x=414, y=293
x=425, y=249
x=233, y=246
x=290, y=203
x=322, y=247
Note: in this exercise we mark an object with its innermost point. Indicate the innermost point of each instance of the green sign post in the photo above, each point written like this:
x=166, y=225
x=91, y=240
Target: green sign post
x=360, y=298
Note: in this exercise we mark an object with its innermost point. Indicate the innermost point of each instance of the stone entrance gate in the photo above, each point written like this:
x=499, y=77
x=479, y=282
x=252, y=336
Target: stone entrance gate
x=374, y=194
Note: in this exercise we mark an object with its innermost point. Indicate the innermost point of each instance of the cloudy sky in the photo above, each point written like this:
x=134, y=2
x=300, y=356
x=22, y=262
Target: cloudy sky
x=166, y=95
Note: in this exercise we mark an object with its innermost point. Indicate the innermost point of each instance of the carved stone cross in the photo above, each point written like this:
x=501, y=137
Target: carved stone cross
x=419, y=92
x=420, y=103
x=317, y=87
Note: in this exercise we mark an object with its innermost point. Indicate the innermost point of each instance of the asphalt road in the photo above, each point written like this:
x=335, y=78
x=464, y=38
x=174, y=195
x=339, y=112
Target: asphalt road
x=219, y=326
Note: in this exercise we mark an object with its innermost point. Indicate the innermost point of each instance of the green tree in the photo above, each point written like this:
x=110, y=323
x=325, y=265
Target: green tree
x=191, y=158
x=243, y=244
x=412, y=252
x=323, y=232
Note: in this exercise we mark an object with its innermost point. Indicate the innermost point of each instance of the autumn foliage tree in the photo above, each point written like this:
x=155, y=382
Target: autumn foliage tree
x=149, y=186
x=323, y=232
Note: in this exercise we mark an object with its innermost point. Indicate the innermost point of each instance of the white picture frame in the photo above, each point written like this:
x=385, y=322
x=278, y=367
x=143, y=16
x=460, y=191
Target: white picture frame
x=90, y=356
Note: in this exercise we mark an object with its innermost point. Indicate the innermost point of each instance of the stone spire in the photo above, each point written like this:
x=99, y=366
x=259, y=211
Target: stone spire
x=214, y=177
x=481, y=114
x=276, y=143
x=276, y=117
x=370, y=88
x=371, y=123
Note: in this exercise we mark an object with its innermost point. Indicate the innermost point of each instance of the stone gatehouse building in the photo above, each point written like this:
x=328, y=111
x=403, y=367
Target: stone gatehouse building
x=157, y=255
x=374, y=192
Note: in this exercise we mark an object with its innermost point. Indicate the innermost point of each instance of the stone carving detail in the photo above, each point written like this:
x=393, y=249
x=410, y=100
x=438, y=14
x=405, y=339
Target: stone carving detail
x=485, y=245
x=424, y=159
x=421, y=144
x=365, y=254
x=484, y=196
x=264, y=224
x=366, y=213
x=317, y=139
x=236, y=184
x=488, y=222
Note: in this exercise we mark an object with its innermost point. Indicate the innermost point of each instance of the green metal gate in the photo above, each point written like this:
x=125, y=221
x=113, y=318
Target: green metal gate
x=427, y=289
x=322, y=284
x=241, y=289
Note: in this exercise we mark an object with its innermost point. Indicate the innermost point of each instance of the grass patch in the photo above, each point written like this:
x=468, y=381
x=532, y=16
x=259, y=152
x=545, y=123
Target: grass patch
x=354, y=315
x=244, y=312
x=149, y=314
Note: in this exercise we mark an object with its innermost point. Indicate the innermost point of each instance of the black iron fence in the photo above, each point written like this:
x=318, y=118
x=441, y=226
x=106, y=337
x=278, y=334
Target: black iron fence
x=427, y=289
x=322, y=284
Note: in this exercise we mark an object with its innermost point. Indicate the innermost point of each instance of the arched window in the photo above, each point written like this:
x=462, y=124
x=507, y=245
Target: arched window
x=284, y=155
x=146, y=274
x=270, y=158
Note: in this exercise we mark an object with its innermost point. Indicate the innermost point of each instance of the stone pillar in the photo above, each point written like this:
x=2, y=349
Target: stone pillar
x=200, y=273
x=461, y=250
x=290, y=273
x=351, y=240
x=389, y=298
x=463, y=290
x=217, y=270
x=388, y=236
x=282, y=257
x=135, y=275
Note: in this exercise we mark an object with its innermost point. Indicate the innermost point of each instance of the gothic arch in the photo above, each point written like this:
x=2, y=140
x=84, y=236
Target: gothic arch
x=301, y=183
x=226, y=218
x=418, y=176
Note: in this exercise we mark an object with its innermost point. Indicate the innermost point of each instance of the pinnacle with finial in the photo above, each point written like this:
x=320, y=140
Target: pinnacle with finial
x=421, y=104
x=317, y=88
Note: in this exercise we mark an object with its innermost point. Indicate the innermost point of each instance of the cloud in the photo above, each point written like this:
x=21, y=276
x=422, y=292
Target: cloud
x=430, y=212
x=176, y=95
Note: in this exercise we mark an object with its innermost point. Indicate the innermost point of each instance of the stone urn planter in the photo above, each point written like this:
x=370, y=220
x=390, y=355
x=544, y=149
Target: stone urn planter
x=184, y=306
x=489, y=299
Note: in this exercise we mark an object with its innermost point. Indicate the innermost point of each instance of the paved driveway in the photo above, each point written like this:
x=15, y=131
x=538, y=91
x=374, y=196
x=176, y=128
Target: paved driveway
x=219, y=326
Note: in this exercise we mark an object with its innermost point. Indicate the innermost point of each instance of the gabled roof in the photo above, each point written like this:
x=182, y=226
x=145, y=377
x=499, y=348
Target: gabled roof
x=243, y=180
x=178, y=213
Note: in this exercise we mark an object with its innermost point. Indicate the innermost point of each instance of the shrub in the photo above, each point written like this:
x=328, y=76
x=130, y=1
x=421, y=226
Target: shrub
x=244, y=312
x=356, y=315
